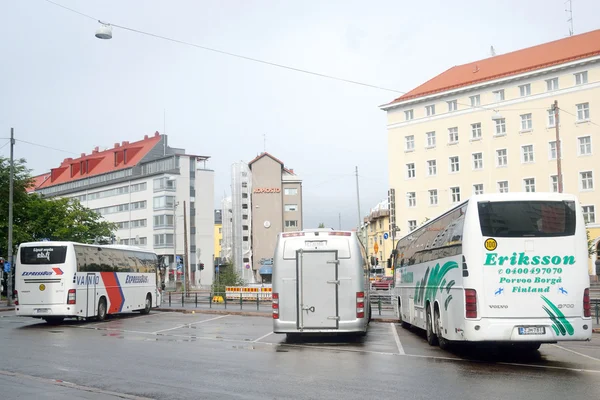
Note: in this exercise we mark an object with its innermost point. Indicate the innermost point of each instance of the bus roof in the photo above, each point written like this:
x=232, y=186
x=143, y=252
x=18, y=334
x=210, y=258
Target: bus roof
x=105, y=246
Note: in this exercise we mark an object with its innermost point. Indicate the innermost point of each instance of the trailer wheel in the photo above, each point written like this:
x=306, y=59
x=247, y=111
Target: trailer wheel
x=431, y=337
x=101, y=309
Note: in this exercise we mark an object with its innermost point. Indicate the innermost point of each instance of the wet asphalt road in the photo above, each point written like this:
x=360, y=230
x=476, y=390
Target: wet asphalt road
x=200, y=356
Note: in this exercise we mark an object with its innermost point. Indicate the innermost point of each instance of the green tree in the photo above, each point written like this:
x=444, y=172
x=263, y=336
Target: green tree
x=227, y=276
x=590, y=244
x=321, y=225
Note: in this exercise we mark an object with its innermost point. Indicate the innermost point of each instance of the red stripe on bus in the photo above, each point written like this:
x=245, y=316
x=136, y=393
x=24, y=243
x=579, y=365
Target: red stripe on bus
x=113, y=289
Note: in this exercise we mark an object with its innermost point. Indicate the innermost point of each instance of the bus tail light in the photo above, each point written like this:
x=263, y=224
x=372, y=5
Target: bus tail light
x=465, y=268
x=587, y=308
x=71, y=296
x=360, y=304
x=471, y=303
x=275, y=305
x=16, y=297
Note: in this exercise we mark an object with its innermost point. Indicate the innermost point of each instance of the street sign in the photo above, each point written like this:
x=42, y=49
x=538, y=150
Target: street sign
x=376, y=247
x=178, y=259
x=6, y=267
x=386, y=236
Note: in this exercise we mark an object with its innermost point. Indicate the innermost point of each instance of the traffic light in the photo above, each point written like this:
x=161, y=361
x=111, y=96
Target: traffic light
x=376, y=260
x=201, y=266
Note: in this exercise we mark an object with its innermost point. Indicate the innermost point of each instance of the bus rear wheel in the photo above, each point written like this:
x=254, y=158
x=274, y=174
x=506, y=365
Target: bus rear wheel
x=101, y=309
x=431, y=337
x=54, y=320
x=148, y=305
x=444, y=343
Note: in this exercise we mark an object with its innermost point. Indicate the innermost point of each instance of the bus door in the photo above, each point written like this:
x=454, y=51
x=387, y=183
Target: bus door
x=91, y=280
x=318, y=289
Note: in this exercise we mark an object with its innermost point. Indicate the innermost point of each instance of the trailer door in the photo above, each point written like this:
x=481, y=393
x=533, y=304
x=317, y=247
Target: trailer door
x=317, y=289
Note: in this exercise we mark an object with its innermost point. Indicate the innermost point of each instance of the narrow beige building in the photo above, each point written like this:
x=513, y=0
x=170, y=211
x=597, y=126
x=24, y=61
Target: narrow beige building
x=489, y=126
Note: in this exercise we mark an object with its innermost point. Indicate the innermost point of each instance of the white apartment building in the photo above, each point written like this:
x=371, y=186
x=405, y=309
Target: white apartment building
x=145, y=187
x=488, y=126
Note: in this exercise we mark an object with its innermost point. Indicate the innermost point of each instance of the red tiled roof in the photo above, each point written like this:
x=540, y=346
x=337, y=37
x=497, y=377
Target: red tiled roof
x=124, y=155
x=542, y=56
x=38, y=181
x=265, y=154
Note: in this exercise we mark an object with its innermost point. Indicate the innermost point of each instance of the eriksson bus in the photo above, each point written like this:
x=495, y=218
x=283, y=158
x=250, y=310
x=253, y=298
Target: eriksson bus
x=57, y=280
x=508, y=268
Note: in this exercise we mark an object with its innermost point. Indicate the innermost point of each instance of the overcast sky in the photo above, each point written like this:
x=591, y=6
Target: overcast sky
x=61, y=87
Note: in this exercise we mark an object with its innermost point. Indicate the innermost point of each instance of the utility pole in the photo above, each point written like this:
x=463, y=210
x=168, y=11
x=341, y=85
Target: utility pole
x=359, y=214
x=9, y=285
x=185, y=252
x=558, y=153
x=175, y=264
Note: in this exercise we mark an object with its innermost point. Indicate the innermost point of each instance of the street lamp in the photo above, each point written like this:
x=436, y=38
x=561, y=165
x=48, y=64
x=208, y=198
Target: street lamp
x=104, y=32
x=175, y=204
x=497, y=116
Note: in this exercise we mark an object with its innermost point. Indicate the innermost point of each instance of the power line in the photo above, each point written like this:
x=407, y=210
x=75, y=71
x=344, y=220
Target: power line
x=44, y=146
x=570, y=113
x=4, y=145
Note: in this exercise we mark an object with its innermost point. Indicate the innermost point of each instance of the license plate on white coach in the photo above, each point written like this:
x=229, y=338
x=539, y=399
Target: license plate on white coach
x=315, y=243
x=42, y=310
x=532, y=330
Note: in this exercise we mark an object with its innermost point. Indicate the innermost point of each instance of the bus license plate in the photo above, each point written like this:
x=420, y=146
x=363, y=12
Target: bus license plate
x=315, y=243
x=532, y=330
x=42, y=310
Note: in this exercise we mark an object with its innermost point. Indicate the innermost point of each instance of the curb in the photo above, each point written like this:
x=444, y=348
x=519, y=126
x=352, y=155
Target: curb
x=7, y=309
x=596, y=330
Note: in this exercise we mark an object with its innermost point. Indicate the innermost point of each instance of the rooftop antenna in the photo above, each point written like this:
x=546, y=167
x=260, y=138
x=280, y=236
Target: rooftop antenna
x=492, y=51
x=569, y=11
x=264, y=142
x=164, y=131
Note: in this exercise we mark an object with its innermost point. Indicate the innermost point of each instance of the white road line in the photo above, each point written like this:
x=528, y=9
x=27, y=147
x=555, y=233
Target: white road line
x=262, y=337
x=190, y=324
x=575, y=352
x=397, y=339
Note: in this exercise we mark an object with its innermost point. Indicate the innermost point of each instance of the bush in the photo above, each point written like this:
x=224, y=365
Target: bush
x=227, y=276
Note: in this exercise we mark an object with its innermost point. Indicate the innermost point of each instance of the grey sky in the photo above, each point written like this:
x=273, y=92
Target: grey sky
x=62, y=87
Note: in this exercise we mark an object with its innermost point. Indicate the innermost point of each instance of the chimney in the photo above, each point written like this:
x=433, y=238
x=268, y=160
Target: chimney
x=291, y=170
x=156, y=134
x=145, y=137
x=117, y=145
x=82, y=154
x=96, y=150
x=124, y=143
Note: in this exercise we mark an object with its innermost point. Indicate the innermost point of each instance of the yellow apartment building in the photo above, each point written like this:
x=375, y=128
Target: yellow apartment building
x=380, y=243
x=489, y=126
x=218, y=233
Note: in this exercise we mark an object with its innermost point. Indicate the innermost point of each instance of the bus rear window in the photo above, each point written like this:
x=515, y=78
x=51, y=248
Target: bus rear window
x=43, y=255
x=527, y=218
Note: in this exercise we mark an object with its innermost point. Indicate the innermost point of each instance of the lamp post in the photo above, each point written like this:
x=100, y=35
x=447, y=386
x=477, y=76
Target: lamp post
x=175, y=204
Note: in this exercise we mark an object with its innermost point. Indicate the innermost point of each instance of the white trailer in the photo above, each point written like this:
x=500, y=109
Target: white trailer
x=320, y=283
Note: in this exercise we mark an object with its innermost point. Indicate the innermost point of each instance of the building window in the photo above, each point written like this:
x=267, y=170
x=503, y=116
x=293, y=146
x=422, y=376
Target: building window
x=552, y=151
x=554, y=183
x=410, y=143
x=583, y=111
x=498, y=95
x=475, y=100
x=244, y=227
x=164, y=184
x=503, y=187
x=220, y=230
x=430, y=110
x=245, y=216
x=412, y=225
x=478, y=188
x=290, y=207
x=408, y=115
x=432, y=168
x=527, y=151
x=410, y=170
x=433, y=197
x=244, y=206
x=587, y=180
x=453, y=135
x=412, y=199
x=589, y=214
x=161, y=221
x=581, y=78
x=501, y=127
x=552, y=84
x=454, y=164
x=476, y=131
x=430, y=139
x=526, y=122
x=525, y=90
x=551, y=120
x=164, y=202
x=452, y=105
x=290, y=192
x=291, y=223
x=501, y=158
x=477, y=160
x=529, y=184
x=455, y=194
x=244, y=238
x=585, y=145
x=163, y=240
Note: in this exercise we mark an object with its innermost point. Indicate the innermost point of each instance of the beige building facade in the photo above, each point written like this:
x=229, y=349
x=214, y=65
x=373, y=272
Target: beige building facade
x=276, y=202
x=489, y=126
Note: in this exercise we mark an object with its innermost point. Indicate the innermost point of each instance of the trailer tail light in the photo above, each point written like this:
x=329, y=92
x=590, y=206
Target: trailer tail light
x=16, y=297
x=71, y=296
x=360, y=304
x=275, y=305
x=293, y=234
x=471, y=303
x=587, y=308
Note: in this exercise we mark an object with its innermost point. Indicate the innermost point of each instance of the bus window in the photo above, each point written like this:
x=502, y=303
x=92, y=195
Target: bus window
x=43, y=255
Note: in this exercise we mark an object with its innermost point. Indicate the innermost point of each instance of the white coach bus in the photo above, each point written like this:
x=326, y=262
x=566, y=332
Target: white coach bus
x=58, y=280
x=320, y=283
x=505, y=268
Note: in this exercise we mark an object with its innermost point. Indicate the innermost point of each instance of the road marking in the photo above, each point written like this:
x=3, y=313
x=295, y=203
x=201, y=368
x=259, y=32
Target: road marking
x=575, y=352
x=397, y=339
x=190, y=324
x=58, y=382
x=262, y=337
